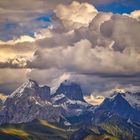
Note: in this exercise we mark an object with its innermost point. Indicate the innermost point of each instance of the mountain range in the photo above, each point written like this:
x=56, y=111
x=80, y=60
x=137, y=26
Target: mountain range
x=67, y=108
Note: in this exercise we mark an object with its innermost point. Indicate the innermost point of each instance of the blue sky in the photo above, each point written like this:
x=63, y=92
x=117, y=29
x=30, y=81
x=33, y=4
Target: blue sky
x=120, y=8
x=11, y=28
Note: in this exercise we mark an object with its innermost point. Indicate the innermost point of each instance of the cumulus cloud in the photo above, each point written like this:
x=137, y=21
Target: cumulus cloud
x=86, y=59
x=106, y=48
x=118, y=29
x=136, y=14
x=118, y=88
x=47, y=76
x=21, y=39
x=97, y=50
x=14, y=63
x=76, y=15
x=14, y=53
x=94, y=100
x=22, y=46
x=24, y=17
x=2, y=96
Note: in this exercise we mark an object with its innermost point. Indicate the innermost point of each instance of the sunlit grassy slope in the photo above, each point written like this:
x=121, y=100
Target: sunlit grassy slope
x=101, y=137
x=14, y=131
x=36, y=130
x=43, y=130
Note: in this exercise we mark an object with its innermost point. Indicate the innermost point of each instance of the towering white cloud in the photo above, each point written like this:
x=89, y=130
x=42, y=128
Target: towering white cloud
x=97, y=50
x=21, y=39
x=76, y=15
x=136, y=14
x=105, y=46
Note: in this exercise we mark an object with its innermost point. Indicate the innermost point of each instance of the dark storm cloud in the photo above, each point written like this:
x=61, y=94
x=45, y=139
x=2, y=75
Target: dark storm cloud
x=114, y=75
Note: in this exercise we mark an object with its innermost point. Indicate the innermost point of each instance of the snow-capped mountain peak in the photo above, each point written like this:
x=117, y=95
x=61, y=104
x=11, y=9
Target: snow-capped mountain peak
x=31, y=88
x=30, y=101
x=117, y=96
x=132, y=98
x=123, y=104
x=30, y=84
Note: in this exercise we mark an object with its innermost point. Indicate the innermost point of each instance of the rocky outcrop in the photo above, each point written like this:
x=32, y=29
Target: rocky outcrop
x=29, y=102
x=71, y=90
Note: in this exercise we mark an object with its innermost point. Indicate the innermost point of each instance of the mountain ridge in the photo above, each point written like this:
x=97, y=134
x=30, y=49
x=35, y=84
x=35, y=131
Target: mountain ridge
x=67, y=107
x=31, y=101
x=69, y=100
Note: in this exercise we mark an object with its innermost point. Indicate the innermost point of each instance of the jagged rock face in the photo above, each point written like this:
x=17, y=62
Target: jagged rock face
x=1, y=103
x=71, y=90
x=133, y=99
x=69, y=97
x=27, y=103
x=119, y=104
x=31, y=88
x=30, y=101
x=44, y=93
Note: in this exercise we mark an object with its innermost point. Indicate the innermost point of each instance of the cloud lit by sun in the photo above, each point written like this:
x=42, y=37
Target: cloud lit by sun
x=2, y=96
x=120, y=89
x=94, y=100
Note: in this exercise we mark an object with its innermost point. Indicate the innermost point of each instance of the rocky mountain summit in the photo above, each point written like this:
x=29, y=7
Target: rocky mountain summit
x=122, y=104
x=66, y=106
x=31, y=101
x=71, y=90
